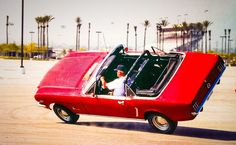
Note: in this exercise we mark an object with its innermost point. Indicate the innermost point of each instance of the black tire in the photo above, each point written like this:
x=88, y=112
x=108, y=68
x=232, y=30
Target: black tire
x=65, y=114
x=161, y=123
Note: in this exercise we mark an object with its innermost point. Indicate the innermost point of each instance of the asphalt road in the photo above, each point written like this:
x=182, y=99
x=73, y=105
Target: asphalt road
x=22, y=122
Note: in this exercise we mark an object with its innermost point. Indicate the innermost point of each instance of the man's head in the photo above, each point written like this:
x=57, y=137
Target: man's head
x=120, y=70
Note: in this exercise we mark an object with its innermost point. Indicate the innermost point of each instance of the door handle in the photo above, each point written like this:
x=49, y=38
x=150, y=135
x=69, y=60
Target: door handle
x=121, y=102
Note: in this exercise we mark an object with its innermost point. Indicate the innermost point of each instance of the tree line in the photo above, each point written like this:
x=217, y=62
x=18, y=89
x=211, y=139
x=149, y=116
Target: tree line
x=188, y=37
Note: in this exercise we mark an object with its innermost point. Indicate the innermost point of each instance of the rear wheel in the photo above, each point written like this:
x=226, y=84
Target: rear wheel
x=161, y=123
x=65, y=114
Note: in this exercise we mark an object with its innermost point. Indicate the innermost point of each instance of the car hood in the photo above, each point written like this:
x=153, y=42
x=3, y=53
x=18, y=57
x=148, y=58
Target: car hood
x=69, y=72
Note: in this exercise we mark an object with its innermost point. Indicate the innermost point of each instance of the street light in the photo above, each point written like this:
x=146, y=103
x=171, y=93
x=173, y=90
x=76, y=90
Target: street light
x=7, y=26
x=31, y=32
x=22, y=38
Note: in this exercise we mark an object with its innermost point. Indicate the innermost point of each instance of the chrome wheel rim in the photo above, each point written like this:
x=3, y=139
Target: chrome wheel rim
x=63, y=114
x=160, y=123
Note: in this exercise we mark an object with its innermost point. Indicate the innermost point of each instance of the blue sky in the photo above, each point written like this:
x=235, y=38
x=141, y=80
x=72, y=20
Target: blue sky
x=111, y=17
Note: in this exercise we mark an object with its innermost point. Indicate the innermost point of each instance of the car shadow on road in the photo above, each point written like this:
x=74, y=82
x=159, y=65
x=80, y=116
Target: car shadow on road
x=180, y=130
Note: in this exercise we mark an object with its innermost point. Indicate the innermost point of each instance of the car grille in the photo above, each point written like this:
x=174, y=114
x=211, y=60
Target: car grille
x=208, y=85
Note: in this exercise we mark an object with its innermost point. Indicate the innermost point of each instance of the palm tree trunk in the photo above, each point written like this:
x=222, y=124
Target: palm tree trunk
x=127, y=37
x=157, y=27
x=45, y=52
x=176, y=39
x=206, y=41
x=38, y=36
x=79, y=40
x=163, y=40
x=76, y=42
x=202, y=41
x=89, y=36
x=41, y=36
x=160, y=37
x=144, y=43
x=209, y=40
x=191, y=41
x=47, y=37
x=135, y=30
x=183, y=36
x=47, y=43
x=197, y=40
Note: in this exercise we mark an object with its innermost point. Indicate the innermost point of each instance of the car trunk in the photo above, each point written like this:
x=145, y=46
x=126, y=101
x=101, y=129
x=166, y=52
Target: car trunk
x=196, y=71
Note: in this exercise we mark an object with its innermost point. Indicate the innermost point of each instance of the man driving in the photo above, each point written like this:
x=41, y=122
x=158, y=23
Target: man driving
x=118, y=84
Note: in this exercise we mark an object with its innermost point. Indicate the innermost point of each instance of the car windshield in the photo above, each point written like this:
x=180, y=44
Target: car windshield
x=90, y=77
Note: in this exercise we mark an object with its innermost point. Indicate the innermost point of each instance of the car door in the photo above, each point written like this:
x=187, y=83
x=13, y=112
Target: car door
x=106, y=105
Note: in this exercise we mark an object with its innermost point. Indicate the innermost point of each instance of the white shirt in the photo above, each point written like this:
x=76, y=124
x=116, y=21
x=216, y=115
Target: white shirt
x=118, y=86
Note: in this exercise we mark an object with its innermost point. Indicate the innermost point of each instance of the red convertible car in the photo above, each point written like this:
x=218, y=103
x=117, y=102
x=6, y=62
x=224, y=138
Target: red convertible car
x=162, y=89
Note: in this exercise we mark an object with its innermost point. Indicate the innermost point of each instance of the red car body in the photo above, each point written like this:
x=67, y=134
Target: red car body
x=72, y=85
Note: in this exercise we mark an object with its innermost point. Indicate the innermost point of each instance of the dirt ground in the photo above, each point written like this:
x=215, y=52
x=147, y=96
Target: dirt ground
x=23, y=122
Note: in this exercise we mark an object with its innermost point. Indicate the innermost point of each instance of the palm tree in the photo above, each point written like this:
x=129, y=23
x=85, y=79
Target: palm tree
x=163, y=23
x=206, y=24
x=158, y=26
x=37, y=19
x=176, y=28
x=185, y=29
x=199, y=27
x=48, y=18
x=146, y=24
x=78, y=21
x=192, y=28
x=135, y=30
x=43, y=26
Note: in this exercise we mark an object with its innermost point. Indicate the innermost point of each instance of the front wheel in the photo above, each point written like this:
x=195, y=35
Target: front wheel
x=161, y=123
x=65, y=114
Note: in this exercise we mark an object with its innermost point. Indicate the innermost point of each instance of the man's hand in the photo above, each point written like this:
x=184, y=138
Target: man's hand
x=102, y=79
